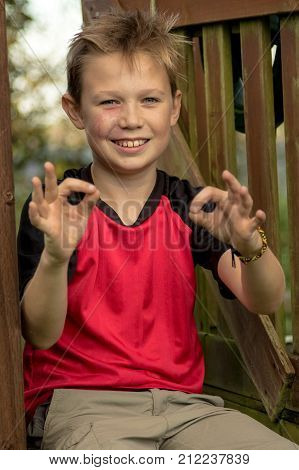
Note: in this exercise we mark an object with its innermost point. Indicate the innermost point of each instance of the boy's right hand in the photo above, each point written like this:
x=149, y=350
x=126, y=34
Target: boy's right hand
x=62, y=223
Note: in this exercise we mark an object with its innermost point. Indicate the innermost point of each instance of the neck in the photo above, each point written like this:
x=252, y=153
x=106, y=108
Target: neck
x=118, y=187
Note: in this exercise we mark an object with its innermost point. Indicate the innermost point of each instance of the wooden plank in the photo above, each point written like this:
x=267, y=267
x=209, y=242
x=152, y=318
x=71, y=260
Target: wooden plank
x=93, y=8
x=219, y=110
x=230, y=373
x=219, y=101
x=267, y=362
x=260, y=130
x=178, y=160
x=293, y=403
x=202, y=154
x=203, y=11
x=12, y=429
x=290, y=73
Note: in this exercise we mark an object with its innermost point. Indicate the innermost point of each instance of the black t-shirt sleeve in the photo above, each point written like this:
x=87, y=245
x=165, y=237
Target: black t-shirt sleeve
x=30, y=244
x=207, y=251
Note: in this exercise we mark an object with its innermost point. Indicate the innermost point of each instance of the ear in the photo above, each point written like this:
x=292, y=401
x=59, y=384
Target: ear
x=176, y=107
x=72, y=109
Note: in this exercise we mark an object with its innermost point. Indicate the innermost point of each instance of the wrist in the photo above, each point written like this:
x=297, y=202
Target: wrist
x=245, y=259
x=251, y=248
x=53, y=261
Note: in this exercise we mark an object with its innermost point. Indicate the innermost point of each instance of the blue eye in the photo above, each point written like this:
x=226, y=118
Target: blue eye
x=151, y=99
x=109, y=102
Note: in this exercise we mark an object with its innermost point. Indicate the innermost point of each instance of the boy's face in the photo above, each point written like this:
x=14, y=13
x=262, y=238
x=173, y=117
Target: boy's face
x=127, y=112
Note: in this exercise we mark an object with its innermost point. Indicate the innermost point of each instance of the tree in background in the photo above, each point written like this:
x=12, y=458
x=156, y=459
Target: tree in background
x=34, y=139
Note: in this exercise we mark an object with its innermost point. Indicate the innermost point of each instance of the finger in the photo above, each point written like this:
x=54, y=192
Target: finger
x=231, y=180
x=88, y=202
x=38, y=197
x=233, y=186
x=201, y=218
x=34, y=216
x=70, y=185
x=207, y=194
x=246, y=201
x=51, y=188
x=258, y=219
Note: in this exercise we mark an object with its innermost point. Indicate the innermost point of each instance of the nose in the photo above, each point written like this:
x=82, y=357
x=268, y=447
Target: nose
x=130, y=116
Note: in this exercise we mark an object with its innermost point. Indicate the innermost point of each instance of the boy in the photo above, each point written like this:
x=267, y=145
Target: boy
x=107, y=263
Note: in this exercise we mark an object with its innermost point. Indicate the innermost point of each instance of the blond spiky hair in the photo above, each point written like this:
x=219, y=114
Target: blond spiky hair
x=127, y=32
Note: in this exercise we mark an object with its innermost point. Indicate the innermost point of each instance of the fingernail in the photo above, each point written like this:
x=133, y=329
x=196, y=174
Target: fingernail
x=91, y=186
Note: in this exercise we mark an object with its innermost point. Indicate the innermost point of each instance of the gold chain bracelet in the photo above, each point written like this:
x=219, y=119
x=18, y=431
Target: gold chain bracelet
x=246, y=259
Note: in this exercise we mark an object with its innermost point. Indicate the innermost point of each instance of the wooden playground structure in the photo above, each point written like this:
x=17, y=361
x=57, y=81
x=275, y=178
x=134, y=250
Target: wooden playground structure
x=247, y=361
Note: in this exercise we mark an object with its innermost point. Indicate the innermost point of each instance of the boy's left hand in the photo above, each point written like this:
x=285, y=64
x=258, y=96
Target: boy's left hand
x=230, y=222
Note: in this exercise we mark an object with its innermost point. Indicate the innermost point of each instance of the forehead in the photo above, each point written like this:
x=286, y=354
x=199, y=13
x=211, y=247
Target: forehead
x=114, y=70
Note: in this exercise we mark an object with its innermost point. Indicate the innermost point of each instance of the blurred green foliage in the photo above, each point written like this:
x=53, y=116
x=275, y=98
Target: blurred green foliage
x=34, y=139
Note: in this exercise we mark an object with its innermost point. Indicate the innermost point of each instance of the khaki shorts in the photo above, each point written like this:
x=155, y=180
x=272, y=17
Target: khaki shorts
x=151, y=419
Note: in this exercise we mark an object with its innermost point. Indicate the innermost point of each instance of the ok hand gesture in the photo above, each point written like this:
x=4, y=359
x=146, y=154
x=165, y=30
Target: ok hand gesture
x=63, y=224
x=230, y=222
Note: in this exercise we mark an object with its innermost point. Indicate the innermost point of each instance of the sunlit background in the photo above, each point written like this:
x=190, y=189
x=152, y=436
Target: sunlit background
x=38, y=36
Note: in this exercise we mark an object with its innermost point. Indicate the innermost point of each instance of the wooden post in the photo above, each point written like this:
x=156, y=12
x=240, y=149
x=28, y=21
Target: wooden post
x=12, y=429
x=290, y=68
x=260, y=131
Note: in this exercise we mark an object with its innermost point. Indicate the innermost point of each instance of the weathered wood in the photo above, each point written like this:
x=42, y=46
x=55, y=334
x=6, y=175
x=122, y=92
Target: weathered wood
x=219, y=110
x=265, y=357
x=293, y=403
x=230, y=373
x=260, y=130
x=219, y=101
x=178, y=160
x=202, y=154
x=203, y=11
x=290, y=73
x=12, y=430
x=93, y=8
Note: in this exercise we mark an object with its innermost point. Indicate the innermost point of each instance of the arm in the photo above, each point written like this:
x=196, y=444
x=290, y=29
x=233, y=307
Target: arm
x=260, y=284
x=44, y=303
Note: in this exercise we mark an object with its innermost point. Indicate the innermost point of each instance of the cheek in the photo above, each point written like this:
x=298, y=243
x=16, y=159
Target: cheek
x=102, y=124
x=161, y=123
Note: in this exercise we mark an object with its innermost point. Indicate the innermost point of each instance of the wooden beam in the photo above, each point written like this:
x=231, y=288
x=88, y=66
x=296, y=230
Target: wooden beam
x=93, y=8
x=219, y=101
x=290, y=69
x=203, y=11
x=12, y=429
x=260, y=130
x=202, y=155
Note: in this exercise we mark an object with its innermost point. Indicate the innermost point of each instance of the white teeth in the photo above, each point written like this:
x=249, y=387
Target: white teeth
x=130, y=143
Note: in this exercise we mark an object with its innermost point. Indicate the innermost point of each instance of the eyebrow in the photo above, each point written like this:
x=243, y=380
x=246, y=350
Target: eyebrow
x=116, y=93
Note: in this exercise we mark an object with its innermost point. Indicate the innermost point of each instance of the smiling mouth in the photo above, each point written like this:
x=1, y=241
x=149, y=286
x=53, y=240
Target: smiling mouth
x=130, y=143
